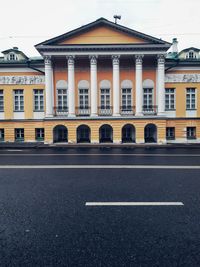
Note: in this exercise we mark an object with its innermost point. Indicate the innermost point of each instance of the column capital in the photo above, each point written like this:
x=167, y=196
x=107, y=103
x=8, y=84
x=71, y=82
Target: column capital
x=161, y=59
x=93, y=59
x=70, y=59
x=139, y=59
x=47, y=59
x=115, y=59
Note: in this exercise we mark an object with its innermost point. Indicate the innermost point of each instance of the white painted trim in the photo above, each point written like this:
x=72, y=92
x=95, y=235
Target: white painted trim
x=2, y=115
x=191, y=113
x=177, y=167
x=170, y=113
x=19, y=70
x=134, y=204
x=18, y=115
x=76, y=53
x=38, y=115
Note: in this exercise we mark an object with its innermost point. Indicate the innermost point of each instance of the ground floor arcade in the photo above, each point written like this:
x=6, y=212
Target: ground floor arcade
x=101, y=131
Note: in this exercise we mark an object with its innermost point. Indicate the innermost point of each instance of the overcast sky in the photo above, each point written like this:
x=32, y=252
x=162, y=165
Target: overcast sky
x=25, y=23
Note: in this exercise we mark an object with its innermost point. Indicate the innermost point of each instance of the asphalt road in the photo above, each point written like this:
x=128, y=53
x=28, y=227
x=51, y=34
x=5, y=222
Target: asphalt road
x=44, y=220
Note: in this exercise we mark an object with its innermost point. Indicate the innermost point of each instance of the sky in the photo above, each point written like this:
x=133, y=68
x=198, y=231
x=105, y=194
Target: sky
x=24, y=23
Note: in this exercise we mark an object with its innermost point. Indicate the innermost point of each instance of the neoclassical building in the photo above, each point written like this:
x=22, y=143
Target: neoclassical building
x=102, y=82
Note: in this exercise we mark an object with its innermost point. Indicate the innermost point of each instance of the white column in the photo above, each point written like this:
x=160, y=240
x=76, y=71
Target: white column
x=138, y=85
x=116, y=90
x=71, y=87
x=161, y=85
x=48, y=86
x=93, y=82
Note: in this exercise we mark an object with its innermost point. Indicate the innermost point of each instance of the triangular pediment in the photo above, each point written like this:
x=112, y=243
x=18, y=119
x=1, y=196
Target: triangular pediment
x=103, y=35
x=102, y=31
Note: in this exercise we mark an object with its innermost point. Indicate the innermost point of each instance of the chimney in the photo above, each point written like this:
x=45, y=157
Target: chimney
x=174, y=45
x=15, y=48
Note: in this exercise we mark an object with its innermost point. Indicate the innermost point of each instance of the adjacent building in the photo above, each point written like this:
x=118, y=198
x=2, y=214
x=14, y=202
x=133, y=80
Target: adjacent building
x=102, y=82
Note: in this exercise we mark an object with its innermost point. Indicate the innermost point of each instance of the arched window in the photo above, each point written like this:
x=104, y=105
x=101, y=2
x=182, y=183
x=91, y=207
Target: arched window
x=105, y=134
x=128, y=133
x=148, y=88
x=105, y=107
x=150, y=133
x=60, y=134
x=126, y=99
x=61, y=88
x=83, y=134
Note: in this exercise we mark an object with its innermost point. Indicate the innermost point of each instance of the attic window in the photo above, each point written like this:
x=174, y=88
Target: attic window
x=12, y=56
x=191, y=55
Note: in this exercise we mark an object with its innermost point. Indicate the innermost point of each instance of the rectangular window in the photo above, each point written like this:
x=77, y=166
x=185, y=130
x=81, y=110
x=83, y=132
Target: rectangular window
x=1, y=101
x=170, y=133
x=191, y=132
x=148, y=98
x=126, y=99
x=83, y=99
x=169, y=99
x=19, y=100
x=39, y=134
x=190, y=98
x=1, y=134
x=19, y=134
x=105, y=98
x=62, y=99
x=38, y=99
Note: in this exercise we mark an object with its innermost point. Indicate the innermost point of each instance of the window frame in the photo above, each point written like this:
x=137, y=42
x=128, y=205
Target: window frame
x=189, y=130
x=190, y=95
x=19, y=100
x=2, y=100
x=21, y=134
x=172, y=135
x=41, y=132
x=171, y=101
x=39, y=100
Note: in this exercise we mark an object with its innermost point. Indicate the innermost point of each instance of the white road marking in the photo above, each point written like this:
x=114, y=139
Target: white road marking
x=102, y=154
x=99, y=167
x=14, y=150
x=134, y=204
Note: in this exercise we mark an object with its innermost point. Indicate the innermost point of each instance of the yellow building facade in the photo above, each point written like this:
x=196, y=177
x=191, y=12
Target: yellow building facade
x=101, y=83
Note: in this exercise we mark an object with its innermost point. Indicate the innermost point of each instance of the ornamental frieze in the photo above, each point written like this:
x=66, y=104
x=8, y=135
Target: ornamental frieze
x=36, y=79
x=182, y=78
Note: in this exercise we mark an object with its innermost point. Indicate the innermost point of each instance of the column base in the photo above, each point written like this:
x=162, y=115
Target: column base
x=71, y=115
x=139, y=114
x=48, y=115
x=94, y=115
x=116, y=115
x=162, y=114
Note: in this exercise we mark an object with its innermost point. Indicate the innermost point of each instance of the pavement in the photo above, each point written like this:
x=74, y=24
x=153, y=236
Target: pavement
x=46, y=220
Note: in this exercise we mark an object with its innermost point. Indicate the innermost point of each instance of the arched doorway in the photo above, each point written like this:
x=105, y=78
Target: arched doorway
x=60, y=134
x=150, y=133
x=105, y=134
x=128, y=134
x=83, y=134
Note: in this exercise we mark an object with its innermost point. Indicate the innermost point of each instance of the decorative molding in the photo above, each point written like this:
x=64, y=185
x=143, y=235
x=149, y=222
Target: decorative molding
x=115, y=59
x=47, y=60
x=182, y=78
x=161, y=59
x=93, y=59
x=39, y=79
x=138, y=59
x=70, y=59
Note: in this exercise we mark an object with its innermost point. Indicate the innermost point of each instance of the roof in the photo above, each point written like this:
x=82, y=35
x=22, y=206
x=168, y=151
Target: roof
x=190, y=48
x=102, y=22
x=14, y=50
